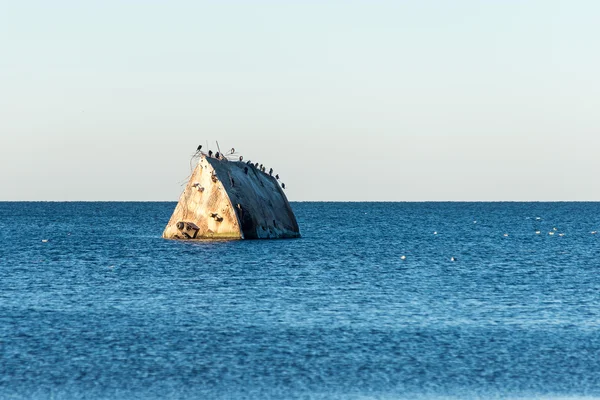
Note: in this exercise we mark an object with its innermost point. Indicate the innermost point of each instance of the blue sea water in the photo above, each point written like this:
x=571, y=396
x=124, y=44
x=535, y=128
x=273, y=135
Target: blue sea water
x=107, y=309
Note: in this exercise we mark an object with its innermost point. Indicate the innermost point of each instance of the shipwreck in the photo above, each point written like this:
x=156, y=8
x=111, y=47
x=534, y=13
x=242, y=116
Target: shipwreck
x=227, y=199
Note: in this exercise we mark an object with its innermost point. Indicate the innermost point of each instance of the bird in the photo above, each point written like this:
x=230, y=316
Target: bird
x=506, y=235
x=283, y=185
x=537, y=232
x=435, y=233
x=241, y=158
x=261, y=167
x=594, y=232
x=551, y=233
x=255, y=165
x=271, y=172
x=210, y=153
x=232, y=150
x=453, y=259
x=199, y=148
x=403, y=257
x=277, y=176
x=217, y=155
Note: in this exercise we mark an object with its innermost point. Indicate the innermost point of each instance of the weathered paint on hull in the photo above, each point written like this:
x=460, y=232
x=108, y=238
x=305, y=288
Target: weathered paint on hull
x=222, y=201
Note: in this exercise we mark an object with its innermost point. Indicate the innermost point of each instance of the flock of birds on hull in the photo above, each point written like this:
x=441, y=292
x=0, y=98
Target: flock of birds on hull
x=258, y=166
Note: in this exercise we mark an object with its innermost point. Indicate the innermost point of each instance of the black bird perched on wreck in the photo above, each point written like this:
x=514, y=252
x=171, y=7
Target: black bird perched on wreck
x=210, y=153
x=271, y=172
x=283, y=185
x=217, y=155
x=199, y=148
x=277, y=176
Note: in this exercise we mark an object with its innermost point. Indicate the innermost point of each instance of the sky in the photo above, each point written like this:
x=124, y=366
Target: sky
x=424, y=100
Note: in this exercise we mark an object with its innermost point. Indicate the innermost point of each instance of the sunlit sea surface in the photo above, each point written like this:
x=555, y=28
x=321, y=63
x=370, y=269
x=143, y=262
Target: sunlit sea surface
x=106, y=309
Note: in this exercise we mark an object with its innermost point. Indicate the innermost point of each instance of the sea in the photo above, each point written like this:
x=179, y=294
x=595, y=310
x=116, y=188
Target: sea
x=375, y=301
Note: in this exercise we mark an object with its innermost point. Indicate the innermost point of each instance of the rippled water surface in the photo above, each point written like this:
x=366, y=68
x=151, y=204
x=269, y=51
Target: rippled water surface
x=106, y=309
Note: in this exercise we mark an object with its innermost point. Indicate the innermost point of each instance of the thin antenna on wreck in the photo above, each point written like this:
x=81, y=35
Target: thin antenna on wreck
x=218, y=148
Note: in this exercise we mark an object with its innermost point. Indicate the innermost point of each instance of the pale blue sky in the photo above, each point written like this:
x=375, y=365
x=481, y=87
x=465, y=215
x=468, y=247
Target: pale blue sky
x=347, y=100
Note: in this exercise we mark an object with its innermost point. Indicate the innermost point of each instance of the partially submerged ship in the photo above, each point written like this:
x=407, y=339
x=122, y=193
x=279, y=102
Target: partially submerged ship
x=227, y=199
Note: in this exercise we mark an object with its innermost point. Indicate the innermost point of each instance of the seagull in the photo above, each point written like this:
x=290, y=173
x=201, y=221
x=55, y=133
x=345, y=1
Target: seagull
x=593, y=232
x=453, y=259
x=435, y=233
x=561, y=234
x=537, y=232
x=403, y=257
x=550, y=233
x=506, y=235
